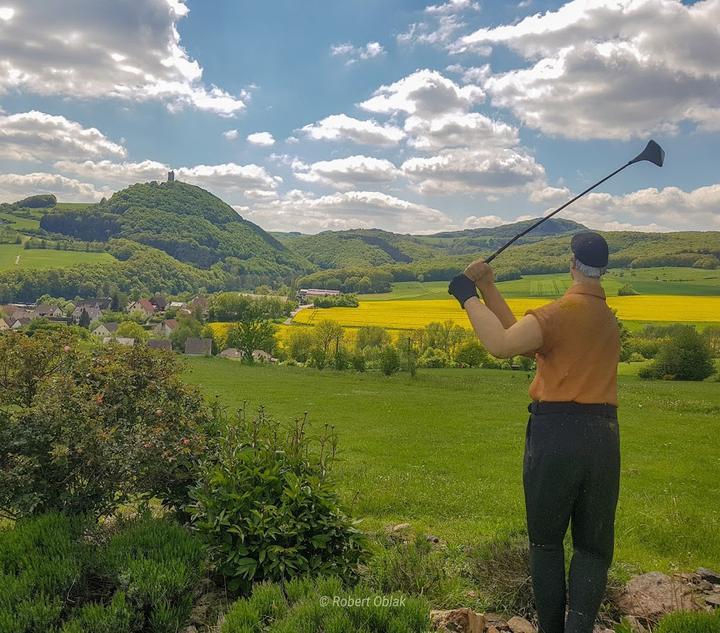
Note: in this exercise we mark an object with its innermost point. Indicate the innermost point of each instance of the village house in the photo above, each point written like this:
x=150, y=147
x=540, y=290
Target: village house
x=120, y=340
x=93, y=312
x=165, y=328
x=20, y=323
x=47, y=311
x=198, y=347
x=160, y=303
x=4, y=325
x=160, y=343
x=106, y=329
x=144, y=306
x=100, y=304
x=176, y=305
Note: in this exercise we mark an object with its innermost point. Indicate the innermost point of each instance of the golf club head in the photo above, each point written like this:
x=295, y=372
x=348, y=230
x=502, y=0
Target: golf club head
x=653, y=153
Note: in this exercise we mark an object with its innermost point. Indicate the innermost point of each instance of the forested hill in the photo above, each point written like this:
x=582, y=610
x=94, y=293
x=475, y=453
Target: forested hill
x=187, y=222
x=358, y=247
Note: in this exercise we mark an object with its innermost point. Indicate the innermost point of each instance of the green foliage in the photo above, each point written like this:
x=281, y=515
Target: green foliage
x=267, y=508
x=500, y=568
x=234, y=306
x=82, y=431
x=43, y=563
x=188, y=327
x=327, y=341
x=389, y=360
x=686, y=356
x=337, y=301
x=433, y=357
x=627, y=290
x=57, y=573
x=325, y=605
x=415, y=568
x=116, y=617
x=690, y=623
x=186, y=222
x=40, y=201
x=349, y=280
x=156, y=564
x=372, y=336
x=248, y=336
x=130, y=329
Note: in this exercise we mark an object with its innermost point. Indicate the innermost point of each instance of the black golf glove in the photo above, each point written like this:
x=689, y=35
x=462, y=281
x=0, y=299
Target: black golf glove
x=462, y=288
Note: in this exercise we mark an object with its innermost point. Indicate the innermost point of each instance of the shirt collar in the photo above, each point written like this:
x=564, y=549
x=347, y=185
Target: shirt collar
x=586, y=289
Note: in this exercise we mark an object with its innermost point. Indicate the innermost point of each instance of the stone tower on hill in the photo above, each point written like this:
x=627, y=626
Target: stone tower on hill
x=171, y=176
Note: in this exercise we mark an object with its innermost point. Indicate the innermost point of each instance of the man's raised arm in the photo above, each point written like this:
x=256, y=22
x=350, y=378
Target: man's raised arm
x=484, y=278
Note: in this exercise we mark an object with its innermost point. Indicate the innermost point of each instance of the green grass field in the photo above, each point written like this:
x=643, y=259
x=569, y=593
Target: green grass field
x=45, y=258
x=444, y=451
x=19, y=223
x=647, y=281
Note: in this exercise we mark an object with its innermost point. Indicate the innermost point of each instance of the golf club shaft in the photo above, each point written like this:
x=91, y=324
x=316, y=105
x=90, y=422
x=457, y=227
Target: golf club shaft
x=547, y=217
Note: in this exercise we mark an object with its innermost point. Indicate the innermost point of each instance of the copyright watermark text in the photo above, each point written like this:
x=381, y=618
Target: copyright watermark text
x=353, y=602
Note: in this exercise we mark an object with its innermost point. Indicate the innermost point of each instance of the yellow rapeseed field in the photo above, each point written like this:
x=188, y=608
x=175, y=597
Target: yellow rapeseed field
x=416, y=314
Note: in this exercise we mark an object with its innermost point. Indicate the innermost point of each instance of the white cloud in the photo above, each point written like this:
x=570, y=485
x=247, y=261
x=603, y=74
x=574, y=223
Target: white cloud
x=467, y=129
x=442, y=23
x=473, y=171
x=610, y=68
x=668, y=209
x=340, y=127
x=301, y=211
x=353, y=54
x=36, y=136
x=82, y=50
x=452, y=6
x=347, y=173
x=483, y=221
x=424, y=93
x=6, y=13
x=550, y=195
x=225, y=180
x=231, y=135
x=263, y=139
x=16, y=186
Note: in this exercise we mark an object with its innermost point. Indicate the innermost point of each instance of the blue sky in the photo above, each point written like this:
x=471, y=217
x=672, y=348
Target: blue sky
x=404, y=115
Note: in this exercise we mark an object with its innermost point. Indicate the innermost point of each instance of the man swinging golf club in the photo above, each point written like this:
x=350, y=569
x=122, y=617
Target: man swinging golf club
x=571, y=468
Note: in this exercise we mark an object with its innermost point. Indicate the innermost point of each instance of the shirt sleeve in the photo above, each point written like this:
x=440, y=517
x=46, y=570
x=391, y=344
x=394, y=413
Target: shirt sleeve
x=549, y=317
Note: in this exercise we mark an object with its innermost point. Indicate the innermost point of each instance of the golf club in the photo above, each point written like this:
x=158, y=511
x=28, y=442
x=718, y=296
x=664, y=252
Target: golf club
x=652, y=152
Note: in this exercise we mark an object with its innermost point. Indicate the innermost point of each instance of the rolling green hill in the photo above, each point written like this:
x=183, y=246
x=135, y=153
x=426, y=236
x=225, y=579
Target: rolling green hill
x=187, y=222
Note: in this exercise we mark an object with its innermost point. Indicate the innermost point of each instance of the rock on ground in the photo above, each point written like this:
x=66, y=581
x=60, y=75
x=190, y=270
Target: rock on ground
x=463, y=620
x=650, y=596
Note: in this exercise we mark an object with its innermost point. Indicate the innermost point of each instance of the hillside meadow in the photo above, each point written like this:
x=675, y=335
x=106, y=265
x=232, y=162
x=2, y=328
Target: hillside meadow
x=443, y=451
x=44, y=259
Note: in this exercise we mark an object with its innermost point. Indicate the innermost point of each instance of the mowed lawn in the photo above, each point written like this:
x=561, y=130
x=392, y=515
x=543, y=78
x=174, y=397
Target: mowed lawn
x=45, y=258
x=444, y=451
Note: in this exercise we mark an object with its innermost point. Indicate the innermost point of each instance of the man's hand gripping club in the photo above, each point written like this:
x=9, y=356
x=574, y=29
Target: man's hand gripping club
x=494, y=323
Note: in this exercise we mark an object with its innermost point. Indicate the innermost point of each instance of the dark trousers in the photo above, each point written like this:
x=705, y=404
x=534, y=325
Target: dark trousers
x=571, y=475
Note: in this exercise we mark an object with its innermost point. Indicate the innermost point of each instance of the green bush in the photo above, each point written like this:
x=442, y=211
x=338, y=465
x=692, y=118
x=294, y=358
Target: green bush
x=267, y=508
x=686, y=356
x=43, y=564
x=82, y=431
x=626, y=290
x=500, y=569
x=415, y=568
x=433, y=357
x=389, y=360
x=116, y=617
x=157, y=564
x=690, y=623
x=471, y=353
x=58, y=574
x=324, y=605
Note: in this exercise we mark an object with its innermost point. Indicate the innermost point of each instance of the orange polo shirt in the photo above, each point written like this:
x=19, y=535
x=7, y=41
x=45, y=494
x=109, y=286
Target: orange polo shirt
x=581, y=348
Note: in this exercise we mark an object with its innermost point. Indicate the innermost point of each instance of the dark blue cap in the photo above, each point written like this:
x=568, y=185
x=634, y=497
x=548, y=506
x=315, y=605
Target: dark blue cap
x=590, y=248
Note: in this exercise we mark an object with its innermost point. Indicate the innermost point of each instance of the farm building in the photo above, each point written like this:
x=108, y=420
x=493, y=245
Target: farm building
x=308, y=294
x=106, y=329
x=160, y=343
x=198, y=347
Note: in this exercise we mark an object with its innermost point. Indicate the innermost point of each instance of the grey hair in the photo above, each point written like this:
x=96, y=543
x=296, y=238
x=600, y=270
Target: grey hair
x=590, y=271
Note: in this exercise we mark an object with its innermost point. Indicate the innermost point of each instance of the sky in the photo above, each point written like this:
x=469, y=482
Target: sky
x=404, y=115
